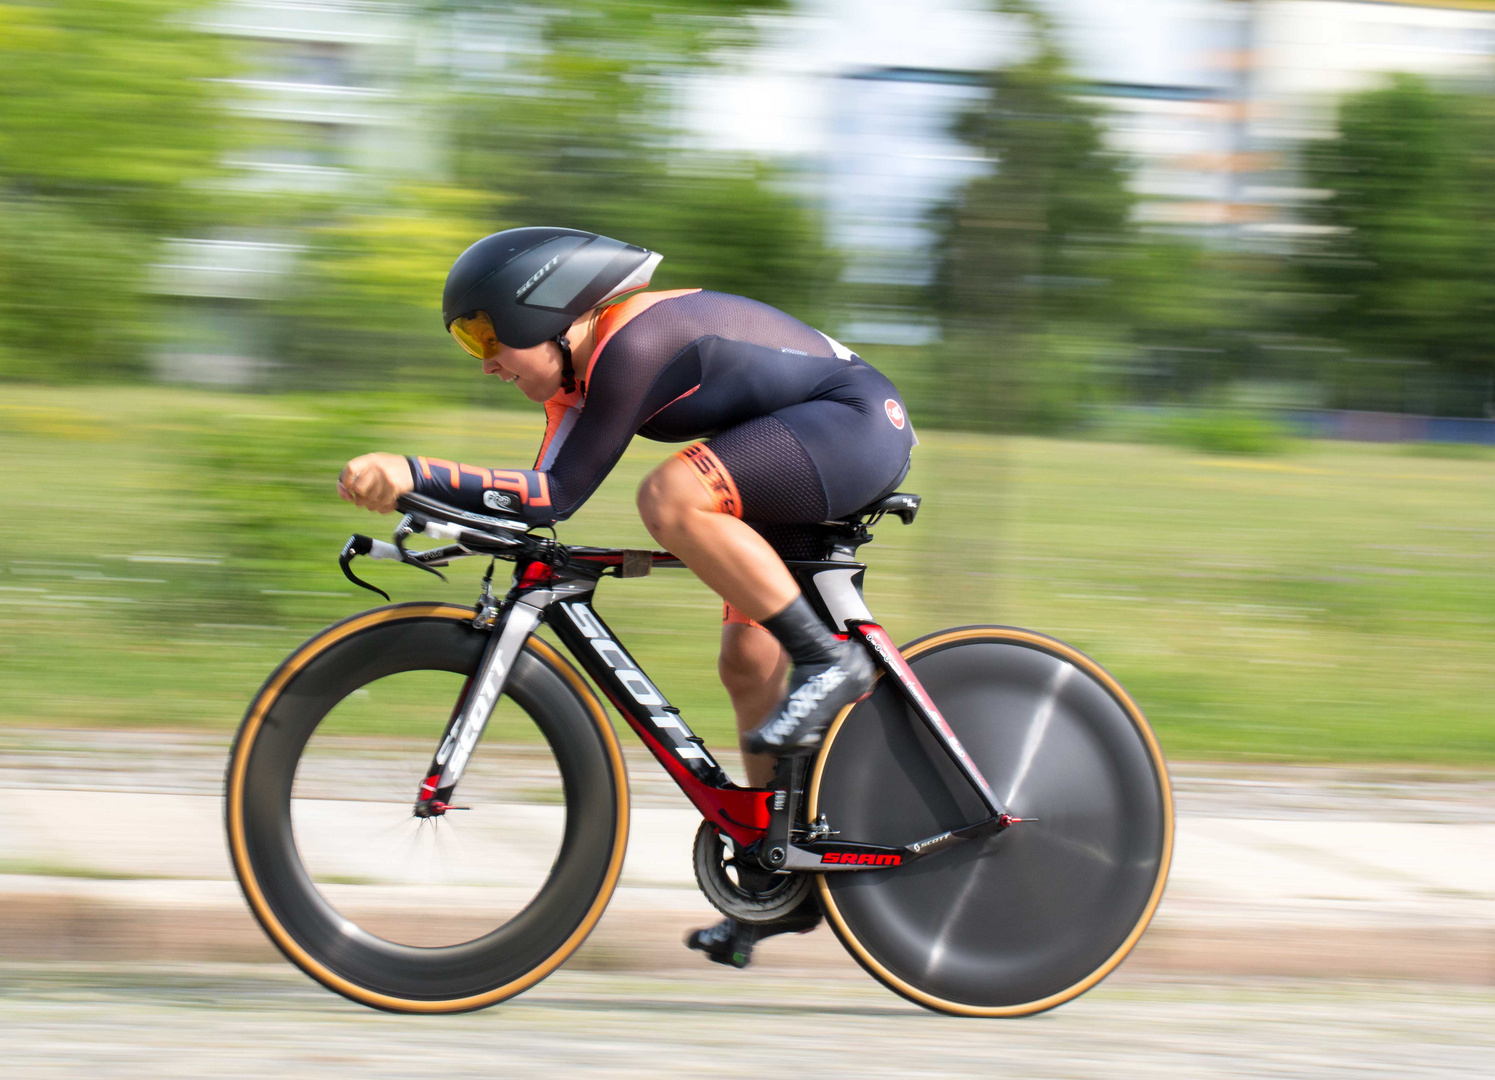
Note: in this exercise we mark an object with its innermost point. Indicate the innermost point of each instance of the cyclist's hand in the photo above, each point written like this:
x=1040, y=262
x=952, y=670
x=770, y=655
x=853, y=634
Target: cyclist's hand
x=375, y=481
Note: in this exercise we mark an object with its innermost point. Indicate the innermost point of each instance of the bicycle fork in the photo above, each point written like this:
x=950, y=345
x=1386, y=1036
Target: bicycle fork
x=473, y=710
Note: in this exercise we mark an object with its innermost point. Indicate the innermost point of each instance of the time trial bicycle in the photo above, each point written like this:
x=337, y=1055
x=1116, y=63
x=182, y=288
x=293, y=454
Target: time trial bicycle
x=989, y=830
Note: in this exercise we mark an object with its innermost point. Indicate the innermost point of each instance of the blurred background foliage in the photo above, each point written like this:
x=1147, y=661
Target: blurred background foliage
x=579, y=130
x=1253, y=587
x=1403, y=278
x=120, y=126
x=1027, y=282
x=111, y=123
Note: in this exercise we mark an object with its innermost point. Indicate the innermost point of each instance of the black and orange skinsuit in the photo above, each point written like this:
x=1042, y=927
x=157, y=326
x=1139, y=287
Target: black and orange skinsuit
x=798, y=428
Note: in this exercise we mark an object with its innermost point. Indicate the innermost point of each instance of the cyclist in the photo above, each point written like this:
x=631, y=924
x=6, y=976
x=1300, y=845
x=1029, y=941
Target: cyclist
x=797, y=429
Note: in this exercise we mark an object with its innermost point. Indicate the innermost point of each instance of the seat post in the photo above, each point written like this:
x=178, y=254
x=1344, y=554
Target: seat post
x=834, y=589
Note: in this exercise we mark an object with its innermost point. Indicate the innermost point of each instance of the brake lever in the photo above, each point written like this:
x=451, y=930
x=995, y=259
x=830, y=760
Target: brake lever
x=406, y=528
x=357, y=545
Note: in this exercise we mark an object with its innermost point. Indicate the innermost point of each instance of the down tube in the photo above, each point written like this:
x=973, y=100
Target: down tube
x=741, y=812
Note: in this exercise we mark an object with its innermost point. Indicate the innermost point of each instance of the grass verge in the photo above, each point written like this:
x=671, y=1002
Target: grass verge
x=162, y=550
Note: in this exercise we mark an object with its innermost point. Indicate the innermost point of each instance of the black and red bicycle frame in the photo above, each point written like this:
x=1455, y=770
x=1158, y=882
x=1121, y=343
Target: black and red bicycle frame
x=554, y=584
x=749, y=815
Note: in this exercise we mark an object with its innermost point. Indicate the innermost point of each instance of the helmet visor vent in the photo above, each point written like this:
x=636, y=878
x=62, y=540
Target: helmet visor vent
x=561, y=287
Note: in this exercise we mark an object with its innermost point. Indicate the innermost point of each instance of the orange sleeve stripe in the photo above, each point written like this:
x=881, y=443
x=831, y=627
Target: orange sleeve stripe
x=453, y=470
x=502, y=479
x=714, y=477
x=484, y=476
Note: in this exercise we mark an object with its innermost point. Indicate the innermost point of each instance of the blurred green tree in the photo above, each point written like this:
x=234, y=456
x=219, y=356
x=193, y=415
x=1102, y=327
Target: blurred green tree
x=363, y=306
x=109, y=127
x=1404, y=279
x=1027, y=253
x=1197, y=317
x=577, y=127
x=585, y=131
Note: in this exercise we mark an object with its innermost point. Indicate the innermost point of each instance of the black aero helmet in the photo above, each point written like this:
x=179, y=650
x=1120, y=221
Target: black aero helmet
x=533, y=283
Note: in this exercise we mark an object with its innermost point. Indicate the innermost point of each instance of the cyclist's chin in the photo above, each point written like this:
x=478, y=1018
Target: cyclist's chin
x=536, y=393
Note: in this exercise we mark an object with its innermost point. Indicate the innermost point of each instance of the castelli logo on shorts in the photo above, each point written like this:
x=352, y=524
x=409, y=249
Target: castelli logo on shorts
x=895, y=413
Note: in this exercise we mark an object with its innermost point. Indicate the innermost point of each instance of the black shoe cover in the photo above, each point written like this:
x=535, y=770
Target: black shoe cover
x=731, y=942
x=817, y=692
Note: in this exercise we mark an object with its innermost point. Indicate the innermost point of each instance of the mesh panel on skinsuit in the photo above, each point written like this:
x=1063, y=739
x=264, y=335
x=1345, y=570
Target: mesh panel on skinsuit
x=775, y=478
x=795, y=541
x=634, y=377
x=670, y=325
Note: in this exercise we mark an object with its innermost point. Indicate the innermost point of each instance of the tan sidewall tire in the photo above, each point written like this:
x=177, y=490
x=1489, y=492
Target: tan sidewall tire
x=234, y=810
x=1004, y=635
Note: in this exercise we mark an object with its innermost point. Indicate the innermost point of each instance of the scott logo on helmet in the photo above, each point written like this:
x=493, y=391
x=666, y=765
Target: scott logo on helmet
x=535, y=278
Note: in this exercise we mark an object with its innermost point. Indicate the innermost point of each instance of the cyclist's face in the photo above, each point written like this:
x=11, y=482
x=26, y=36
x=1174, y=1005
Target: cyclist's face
x=536, y=371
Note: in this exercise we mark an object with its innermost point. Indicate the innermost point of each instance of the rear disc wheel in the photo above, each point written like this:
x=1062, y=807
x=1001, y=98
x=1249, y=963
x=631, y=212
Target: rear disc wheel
x=1031, y=917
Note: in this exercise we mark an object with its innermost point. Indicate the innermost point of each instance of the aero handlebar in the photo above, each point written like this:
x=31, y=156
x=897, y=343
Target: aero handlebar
x=470, y=534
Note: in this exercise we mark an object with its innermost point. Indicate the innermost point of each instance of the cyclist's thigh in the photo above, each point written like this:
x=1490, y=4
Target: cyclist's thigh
x=819, y=459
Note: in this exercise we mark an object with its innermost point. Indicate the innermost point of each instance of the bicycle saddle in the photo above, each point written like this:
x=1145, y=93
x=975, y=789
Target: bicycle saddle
x=902, y=505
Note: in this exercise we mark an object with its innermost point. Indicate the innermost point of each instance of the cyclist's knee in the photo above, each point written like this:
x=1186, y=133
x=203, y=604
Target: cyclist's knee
x=667, y=496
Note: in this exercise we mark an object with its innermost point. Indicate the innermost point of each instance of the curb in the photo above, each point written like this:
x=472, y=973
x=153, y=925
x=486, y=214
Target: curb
x=42, y=926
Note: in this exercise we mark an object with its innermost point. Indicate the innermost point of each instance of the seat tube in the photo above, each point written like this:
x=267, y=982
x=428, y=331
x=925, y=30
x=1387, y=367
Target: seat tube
x=834, y=589
x=891, y=660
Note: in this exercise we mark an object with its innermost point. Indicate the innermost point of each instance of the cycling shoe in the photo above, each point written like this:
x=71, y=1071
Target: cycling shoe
x=731, y=942
x=817, y=692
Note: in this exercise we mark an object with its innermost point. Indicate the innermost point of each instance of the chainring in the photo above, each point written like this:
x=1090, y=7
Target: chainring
x=746, y=893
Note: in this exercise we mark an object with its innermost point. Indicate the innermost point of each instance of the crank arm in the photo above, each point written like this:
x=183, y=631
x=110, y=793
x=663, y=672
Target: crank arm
x=476, y=708
x=824, y=856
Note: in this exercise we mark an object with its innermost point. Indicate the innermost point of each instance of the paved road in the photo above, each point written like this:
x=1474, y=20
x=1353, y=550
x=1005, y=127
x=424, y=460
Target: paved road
x=1330, y=872
x=66, y=1021
x=1277, y=871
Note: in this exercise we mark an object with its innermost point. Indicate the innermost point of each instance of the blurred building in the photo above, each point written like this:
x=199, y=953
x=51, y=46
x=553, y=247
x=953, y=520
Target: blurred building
x=1213, y=131
x=1207, y=98
x=1302, y=56
x=324, y=89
